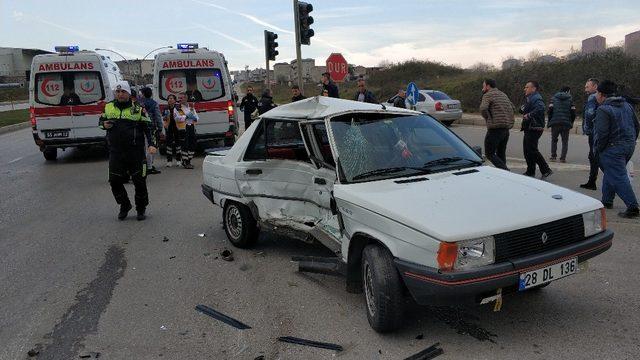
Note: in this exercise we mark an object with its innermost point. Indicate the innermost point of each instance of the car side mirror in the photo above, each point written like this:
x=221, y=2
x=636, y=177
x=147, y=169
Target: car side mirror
x=478, y=150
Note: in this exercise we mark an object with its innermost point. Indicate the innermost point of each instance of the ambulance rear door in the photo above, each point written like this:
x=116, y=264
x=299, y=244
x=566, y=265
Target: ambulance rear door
x=201, y=76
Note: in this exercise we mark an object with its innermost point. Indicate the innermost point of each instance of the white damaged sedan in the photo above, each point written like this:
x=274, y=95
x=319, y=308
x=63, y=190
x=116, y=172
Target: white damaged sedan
x=404, y=203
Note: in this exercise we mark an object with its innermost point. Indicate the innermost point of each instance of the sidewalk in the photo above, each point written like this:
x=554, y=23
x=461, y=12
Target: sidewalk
x=478, y=120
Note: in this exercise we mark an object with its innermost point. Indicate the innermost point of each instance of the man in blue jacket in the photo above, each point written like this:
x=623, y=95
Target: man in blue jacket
x=153, y=111
x=588, y=115
x=615, y=133
x=364, y=95
x=533, y=126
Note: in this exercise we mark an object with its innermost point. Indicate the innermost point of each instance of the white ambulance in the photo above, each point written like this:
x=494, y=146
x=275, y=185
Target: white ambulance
x=67, y=94
x=203, y=75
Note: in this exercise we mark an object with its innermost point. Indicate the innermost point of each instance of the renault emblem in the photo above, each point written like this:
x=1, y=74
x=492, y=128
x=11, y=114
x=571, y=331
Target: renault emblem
x=544, y=237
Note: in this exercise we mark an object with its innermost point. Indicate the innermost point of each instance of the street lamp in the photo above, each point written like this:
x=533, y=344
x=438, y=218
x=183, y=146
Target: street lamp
x=117, y=53
x=154, y=50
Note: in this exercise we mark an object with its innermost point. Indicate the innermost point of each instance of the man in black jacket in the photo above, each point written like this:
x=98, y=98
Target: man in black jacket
x=364, y=95
x=127, y=127
x=533, y=126
x=248, y=105
x=561, y=114
x=297, y=96
x=266, y=102
x=329, y=86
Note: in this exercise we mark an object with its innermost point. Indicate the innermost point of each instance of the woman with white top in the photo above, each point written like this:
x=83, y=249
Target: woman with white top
x=186, y=114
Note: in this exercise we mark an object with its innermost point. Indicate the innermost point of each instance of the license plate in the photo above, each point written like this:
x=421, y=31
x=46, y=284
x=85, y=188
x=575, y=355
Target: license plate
x=452, y=106
x=547, y=274
x=52, y=134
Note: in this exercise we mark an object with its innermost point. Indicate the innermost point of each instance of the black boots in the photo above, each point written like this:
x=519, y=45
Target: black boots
x=124, y=210
x=589, y=186
x=630, y=213
x=141, y=216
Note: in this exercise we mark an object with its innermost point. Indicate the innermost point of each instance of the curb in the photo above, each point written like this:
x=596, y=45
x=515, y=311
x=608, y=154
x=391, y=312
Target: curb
x=477, y=120
x=14, y=127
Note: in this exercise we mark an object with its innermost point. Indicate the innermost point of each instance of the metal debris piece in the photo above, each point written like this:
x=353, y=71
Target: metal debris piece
x=222, y=317
x=298, y=341
x=420, y=337
x=89, y=355
x=227, y=255
x=202, y=235
x=428, y=353
x=172, y=257
x=165, y=239
x=163, y=327
x=33, y=352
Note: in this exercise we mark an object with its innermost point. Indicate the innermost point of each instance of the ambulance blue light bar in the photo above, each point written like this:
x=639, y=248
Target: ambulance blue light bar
x=67, y=49
x=187, y=46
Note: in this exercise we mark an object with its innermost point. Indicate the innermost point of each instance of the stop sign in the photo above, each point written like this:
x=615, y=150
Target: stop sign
x=337, y=66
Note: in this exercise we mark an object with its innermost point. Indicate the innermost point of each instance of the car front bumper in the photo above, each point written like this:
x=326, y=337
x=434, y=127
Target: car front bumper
x=429, y=286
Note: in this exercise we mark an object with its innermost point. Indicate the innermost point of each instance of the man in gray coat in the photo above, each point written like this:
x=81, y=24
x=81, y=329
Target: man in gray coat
x=497, y=110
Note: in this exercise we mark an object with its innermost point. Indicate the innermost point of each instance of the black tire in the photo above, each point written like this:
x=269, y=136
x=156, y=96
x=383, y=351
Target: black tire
x=383, y=289
x=239, y=225
x=50, y=153
x=448, y=122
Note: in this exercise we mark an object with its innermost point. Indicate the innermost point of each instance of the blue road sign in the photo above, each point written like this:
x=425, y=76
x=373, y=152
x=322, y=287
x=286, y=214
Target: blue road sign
x=412, y=93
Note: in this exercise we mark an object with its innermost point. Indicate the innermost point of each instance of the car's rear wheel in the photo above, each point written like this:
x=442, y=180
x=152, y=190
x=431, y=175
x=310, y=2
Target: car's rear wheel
x=382, y=289
x=228, y=142
x=50, y=153
x=448, y=122
x=239, y=225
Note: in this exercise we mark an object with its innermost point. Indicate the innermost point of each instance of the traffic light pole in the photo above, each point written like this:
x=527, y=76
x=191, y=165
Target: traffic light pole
x=298, y=50
x=266, y=57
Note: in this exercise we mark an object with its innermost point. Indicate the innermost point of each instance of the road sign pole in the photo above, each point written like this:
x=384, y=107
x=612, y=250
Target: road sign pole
x=296, y=27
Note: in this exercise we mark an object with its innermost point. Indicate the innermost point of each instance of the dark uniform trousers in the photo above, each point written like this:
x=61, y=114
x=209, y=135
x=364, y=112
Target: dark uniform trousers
x=124, y=164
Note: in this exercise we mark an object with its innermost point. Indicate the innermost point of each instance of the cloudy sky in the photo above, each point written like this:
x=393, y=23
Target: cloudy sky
x=457, y=32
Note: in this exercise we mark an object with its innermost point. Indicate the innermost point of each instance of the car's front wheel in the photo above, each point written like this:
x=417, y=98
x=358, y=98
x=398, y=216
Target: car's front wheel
x=448, y=122
x=239, y=225
x=382, y=289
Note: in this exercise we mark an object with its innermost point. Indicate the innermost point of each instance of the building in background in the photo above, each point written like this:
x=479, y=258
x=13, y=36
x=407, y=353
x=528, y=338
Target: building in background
x=282, y=72
x=137, y=71
x=632, y=44
x=15, y=64
x=307, y=69
x=509, y=63
x=594, y=44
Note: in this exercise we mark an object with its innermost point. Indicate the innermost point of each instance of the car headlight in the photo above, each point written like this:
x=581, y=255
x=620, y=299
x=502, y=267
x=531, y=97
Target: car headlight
x=466, y=254
x=594, y=222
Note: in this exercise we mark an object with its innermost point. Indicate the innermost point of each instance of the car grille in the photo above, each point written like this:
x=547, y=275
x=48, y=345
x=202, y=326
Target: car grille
x=528, y=241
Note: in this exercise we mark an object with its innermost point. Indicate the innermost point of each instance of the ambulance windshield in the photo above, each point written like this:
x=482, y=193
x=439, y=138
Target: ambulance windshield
x=69, y=88
x=198, y=84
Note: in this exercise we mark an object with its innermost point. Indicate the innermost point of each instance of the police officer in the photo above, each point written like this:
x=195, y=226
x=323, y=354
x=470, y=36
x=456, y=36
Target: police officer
x=248, y=105
x=127, y=126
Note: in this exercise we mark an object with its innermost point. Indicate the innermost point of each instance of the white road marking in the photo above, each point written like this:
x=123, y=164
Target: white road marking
x=14, y=160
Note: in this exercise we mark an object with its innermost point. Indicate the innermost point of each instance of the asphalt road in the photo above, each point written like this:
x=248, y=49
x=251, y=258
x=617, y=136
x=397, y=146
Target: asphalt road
x=75, y=280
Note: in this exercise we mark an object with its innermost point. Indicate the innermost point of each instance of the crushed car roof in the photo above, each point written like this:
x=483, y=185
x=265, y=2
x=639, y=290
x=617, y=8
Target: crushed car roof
x=319, y=107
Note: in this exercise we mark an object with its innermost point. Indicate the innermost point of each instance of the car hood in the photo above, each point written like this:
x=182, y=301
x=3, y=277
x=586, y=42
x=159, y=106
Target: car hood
x=468, y=203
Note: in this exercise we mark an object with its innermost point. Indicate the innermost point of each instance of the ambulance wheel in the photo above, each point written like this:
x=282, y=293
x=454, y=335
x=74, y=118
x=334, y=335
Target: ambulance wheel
x=239, y=225
x=228, y=142
x=383, y=289
x=448, y=123
x=50, y=153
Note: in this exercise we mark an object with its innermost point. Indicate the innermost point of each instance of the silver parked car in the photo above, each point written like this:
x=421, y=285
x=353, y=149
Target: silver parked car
x=437, y=104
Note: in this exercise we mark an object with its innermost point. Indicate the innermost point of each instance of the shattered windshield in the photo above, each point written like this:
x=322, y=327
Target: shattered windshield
x=376, y=146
